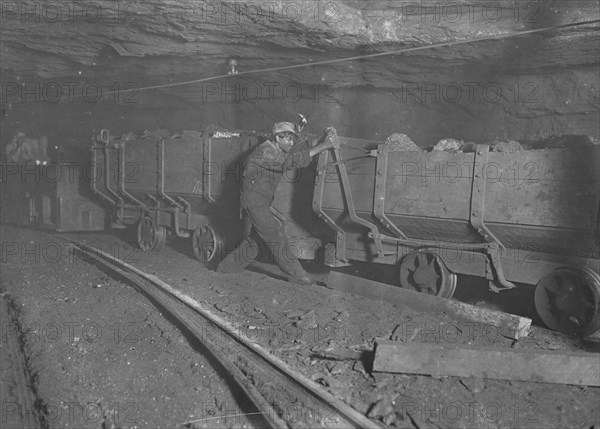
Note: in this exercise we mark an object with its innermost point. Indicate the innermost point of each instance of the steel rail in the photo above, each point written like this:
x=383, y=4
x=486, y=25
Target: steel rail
x=271, y=385
x=27, y=415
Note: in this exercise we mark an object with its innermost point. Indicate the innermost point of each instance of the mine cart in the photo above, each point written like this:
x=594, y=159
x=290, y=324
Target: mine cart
x=188, y=186
x=52, y=196
x=526, y=216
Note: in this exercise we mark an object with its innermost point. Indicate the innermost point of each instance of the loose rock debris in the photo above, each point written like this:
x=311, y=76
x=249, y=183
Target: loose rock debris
x=329, y=353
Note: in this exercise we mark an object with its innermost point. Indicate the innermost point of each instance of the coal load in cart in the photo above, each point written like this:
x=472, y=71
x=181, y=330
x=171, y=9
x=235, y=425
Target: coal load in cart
x=505, y=214
x=188, y=186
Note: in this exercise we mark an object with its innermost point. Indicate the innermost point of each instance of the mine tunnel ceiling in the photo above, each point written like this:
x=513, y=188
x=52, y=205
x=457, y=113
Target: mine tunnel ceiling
x=158, y=42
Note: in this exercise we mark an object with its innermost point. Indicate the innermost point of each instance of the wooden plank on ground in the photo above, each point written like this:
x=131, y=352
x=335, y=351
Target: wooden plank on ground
x=488, y=362
x=510, y=326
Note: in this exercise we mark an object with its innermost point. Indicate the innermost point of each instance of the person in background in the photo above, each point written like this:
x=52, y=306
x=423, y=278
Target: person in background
x=262, y=172
x=22, y=149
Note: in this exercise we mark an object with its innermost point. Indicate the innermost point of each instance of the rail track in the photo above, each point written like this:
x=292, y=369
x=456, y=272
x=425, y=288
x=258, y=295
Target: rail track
x=279, y=395
x=19, y=410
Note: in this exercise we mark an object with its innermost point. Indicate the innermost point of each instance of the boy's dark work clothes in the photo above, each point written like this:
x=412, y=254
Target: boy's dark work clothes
x=262, y=172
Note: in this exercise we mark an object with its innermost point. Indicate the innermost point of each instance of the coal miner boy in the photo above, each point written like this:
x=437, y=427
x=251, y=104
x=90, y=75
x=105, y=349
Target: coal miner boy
x=262, y=172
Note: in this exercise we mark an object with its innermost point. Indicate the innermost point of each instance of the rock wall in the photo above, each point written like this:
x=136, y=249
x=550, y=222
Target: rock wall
x=474, y=109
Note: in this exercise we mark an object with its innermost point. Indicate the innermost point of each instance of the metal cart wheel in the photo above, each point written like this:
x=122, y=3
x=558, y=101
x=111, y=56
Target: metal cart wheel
x=150, y=237
x=426, y=272
x=206, y=243
x=161, y=238
x=568, y=300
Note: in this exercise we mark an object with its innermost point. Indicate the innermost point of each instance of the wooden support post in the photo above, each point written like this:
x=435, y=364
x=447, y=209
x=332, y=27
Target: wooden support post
x=488, y=362
x=510, y=326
